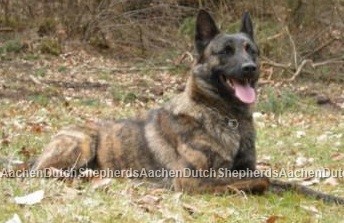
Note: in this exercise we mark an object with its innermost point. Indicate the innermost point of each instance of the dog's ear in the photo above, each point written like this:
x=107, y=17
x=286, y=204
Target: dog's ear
x=206, y=30
x=246, y=25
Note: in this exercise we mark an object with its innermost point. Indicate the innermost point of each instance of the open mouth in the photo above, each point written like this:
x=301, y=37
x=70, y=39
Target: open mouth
x=242, y=88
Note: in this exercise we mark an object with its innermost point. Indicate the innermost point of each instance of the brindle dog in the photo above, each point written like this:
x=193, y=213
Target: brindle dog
x=207, y=127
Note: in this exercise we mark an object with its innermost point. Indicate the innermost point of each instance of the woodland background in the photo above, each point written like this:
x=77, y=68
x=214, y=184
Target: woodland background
x=292, y=34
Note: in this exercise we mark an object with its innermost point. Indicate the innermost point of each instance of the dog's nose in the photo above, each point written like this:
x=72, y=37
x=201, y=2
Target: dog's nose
x=248, y=68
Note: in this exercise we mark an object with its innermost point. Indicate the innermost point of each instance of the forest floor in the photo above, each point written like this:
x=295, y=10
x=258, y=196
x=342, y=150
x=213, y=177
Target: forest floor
x=300, y=126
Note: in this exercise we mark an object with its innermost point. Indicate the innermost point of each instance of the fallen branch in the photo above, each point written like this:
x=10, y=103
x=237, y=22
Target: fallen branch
x=296, y=72
x=326, y=62
x=264, y=81
x=184, y=56
x=275, y=64
x=136, y=69
x=6, y=29
x=35, y=80
x=299, y=69
x=313, y=65
x=131, y=69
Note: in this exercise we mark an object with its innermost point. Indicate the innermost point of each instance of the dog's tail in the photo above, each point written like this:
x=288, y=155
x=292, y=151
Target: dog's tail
x=278, y=185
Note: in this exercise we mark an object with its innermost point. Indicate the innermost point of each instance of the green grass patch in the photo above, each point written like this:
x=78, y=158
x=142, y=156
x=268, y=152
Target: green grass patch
x=11, y=46
x=31, y=56
x=41, y=72
x=50, y=46
x=90, y=102
x=278, y=102
x=119, y=94
x=62, y=69
x=40, y=99
x=187, y=27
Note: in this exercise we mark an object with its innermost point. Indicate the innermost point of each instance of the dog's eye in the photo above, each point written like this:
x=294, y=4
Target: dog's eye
x=228, y=50
x=250, y=50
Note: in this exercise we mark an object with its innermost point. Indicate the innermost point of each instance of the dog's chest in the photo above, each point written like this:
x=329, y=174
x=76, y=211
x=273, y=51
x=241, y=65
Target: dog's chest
x=226, y=134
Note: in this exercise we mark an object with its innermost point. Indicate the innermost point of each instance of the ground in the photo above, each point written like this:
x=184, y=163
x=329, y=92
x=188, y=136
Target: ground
x=300, y=126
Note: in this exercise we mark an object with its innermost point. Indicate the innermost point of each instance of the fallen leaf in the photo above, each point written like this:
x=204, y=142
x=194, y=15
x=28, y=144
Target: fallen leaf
x=190, y=208
x=322, y=138
x=331, y=181
x=149, y=203
x=263, y=166
x=310, y=182
x=149, y=199
x=14, y=219
x=217, y=218
x=258, y=116
x=311, y=209
x=265, y=159
x=16, y=162
x=337, y=156
x=273, y=218
x=300, y=134
x=5, y=139
x=98, y=182
x=71, y=192
x=30, y=199
x=24, y=151
x=300, y=161
x=158, y=191
x=36, y=128
x=89, y=202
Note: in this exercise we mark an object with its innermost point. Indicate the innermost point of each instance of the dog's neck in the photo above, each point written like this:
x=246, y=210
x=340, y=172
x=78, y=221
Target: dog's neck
x=206, y=96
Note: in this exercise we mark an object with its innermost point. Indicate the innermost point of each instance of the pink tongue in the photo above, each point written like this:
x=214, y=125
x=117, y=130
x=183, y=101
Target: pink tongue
x=244, y=92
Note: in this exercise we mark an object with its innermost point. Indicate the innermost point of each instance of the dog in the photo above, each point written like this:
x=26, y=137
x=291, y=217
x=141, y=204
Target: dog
x=209, y=126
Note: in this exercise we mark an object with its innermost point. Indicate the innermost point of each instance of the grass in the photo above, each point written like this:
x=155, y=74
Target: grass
x=62, y=69
x=10, y=46
x=50, y=46
x=278, y=102
x=31, y=56
x=120, y=94
x=41, y=72
x=284, y=113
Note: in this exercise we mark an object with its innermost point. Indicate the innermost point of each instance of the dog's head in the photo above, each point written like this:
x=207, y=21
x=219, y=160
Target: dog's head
x=230, y=60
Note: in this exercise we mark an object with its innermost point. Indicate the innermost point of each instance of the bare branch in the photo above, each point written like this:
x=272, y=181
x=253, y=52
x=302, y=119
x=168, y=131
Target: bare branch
x=299, y=69
x=6, y=29
x=136, y=69
x=326, y=62
x=275, y=64
x=293, y=46
x=35, y=80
